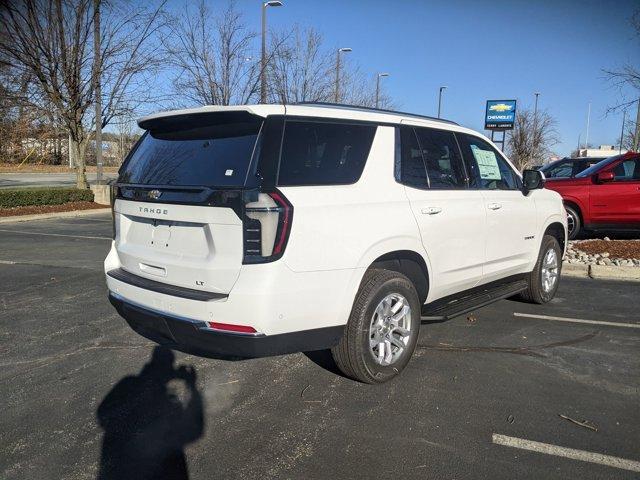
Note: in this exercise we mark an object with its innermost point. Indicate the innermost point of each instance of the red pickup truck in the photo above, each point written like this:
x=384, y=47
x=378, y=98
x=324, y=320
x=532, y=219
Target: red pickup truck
x=605, y=196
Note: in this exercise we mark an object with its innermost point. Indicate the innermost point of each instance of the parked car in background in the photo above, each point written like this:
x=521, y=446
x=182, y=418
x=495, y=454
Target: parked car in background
x=606, y=196
x=568, y=167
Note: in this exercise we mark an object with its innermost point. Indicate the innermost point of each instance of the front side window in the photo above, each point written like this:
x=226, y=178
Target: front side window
x=488, y=170
x=627, y=170
x=442, y=158
x=323, y=153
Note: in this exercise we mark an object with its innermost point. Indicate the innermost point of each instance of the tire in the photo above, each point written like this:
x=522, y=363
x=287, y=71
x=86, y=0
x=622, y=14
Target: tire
x=359, y=355
x=573, y=222
x=541, y=289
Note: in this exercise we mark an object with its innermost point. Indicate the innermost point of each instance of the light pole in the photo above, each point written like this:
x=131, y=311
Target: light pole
x=378, y=87
x=442, y=89
x=535, y=108
x=263, y=63
x=340, y=50
x=624, y=118
x=535, y=124
x=586, y=140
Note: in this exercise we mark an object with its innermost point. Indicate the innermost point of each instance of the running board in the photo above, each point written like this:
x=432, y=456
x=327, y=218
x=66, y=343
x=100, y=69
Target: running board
x=459, y=304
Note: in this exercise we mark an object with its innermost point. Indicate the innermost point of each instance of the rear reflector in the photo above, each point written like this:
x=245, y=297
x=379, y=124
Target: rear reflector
x=231, y=328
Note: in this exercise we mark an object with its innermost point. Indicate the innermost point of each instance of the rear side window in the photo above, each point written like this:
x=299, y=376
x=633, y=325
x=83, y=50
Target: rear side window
x=487, y=169
x=188, y=154
x=442, y=159
x=323, y=153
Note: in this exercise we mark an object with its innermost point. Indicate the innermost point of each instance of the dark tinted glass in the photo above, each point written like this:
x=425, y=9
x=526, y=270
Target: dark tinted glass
x=412, y=171
x=597, y=167
x=319, y=153
x=488, y=170
x=207, y=155
x=561, y=169
x=442, y=158
x=627, y=170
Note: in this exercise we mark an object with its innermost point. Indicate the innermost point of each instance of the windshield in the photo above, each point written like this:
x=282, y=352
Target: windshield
x=594, y=168
x=205, y=151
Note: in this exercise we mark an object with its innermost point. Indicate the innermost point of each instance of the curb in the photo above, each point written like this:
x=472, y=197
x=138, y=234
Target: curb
x=41, y=216
x=601, y=272
x=573, y=270
x=615, y=273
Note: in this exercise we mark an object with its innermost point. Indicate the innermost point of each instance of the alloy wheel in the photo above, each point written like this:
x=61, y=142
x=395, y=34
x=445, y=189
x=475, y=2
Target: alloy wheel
x=390, y=329
x=550, y=271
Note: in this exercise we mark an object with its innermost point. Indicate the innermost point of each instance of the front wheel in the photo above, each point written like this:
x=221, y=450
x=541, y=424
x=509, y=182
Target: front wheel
x=382, y=330
x=545, y=277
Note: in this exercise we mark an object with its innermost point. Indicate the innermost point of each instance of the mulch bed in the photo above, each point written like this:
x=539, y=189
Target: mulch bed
x=616, y=248
x=36, y=209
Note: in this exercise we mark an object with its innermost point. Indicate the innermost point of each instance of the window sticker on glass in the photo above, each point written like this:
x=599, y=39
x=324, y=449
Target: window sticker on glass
x=487, y=163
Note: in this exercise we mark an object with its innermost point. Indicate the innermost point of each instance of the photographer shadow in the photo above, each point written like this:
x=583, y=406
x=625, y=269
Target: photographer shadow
x=146, y=425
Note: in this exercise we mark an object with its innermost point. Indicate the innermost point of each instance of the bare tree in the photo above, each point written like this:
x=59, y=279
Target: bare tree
x=360, y=89
x=627, y=80
x=212, y=55
x=301, y=70
x=51, y=42
x=531, y=139
x=627, y=136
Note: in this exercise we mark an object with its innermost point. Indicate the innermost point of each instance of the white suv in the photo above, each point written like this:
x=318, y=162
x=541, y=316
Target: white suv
x=268, y=229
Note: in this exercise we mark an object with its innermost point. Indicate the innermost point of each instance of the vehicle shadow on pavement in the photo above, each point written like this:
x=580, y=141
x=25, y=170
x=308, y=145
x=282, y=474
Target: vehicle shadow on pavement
x=324, y=359
x=146, y=425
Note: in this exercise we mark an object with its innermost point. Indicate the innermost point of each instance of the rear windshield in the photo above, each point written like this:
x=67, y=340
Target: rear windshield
x=204, y=151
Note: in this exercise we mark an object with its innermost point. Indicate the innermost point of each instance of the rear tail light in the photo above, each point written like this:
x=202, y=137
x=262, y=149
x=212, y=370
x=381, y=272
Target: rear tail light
x=113, y=193
x=227, y=327
x=267, y=223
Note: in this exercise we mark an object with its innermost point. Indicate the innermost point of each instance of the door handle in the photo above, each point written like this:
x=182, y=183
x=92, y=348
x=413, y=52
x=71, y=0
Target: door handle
x=494, y=206
x=431, y=210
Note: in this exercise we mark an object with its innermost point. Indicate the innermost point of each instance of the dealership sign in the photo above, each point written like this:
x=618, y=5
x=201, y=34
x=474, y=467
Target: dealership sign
x=500, y=115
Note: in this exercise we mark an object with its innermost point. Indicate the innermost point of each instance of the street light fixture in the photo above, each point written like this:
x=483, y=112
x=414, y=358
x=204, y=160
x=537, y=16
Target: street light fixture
x=442, y=89
x=380, y=75
x=263, y=63
x=340, y=50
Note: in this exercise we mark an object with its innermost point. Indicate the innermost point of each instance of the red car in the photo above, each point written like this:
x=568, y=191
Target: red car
x=605, y=196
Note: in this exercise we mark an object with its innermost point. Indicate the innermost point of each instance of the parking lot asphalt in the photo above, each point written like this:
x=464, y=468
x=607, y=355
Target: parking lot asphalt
x=82, y=396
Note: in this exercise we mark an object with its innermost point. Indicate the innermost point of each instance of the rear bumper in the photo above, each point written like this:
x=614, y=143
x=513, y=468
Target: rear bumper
x=194, y=336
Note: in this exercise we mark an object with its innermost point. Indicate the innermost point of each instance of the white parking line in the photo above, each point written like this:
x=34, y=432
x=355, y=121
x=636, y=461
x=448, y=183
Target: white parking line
x=582, y=455
x=22, y=232
x=577, y=320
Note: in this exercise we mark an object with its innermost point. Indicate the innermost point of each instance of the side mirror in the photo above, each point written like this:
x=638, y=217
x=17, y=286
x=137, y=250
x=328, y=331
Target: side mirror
x=532, y=180
x=605, y=177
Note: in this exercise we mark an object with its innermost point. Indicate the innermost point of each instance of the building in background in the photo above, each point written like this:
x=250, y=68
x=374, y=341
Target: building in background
x=601, y=151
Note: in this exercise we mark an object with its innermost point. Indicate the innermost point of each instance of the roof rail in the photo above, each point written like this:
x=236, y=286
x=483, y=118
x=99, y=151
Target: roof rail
x=373, y=109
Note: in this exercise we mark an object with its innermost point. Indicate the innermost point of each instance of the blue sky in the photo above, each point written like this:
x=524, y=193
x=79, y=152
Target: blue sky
x=482, y=50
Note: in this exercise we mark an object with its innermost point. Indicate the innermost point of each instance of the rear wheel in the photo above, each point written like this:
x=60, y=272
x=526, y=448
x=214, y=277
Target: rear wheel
x=382, y=330
x=545, y=277
x=574, y=224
